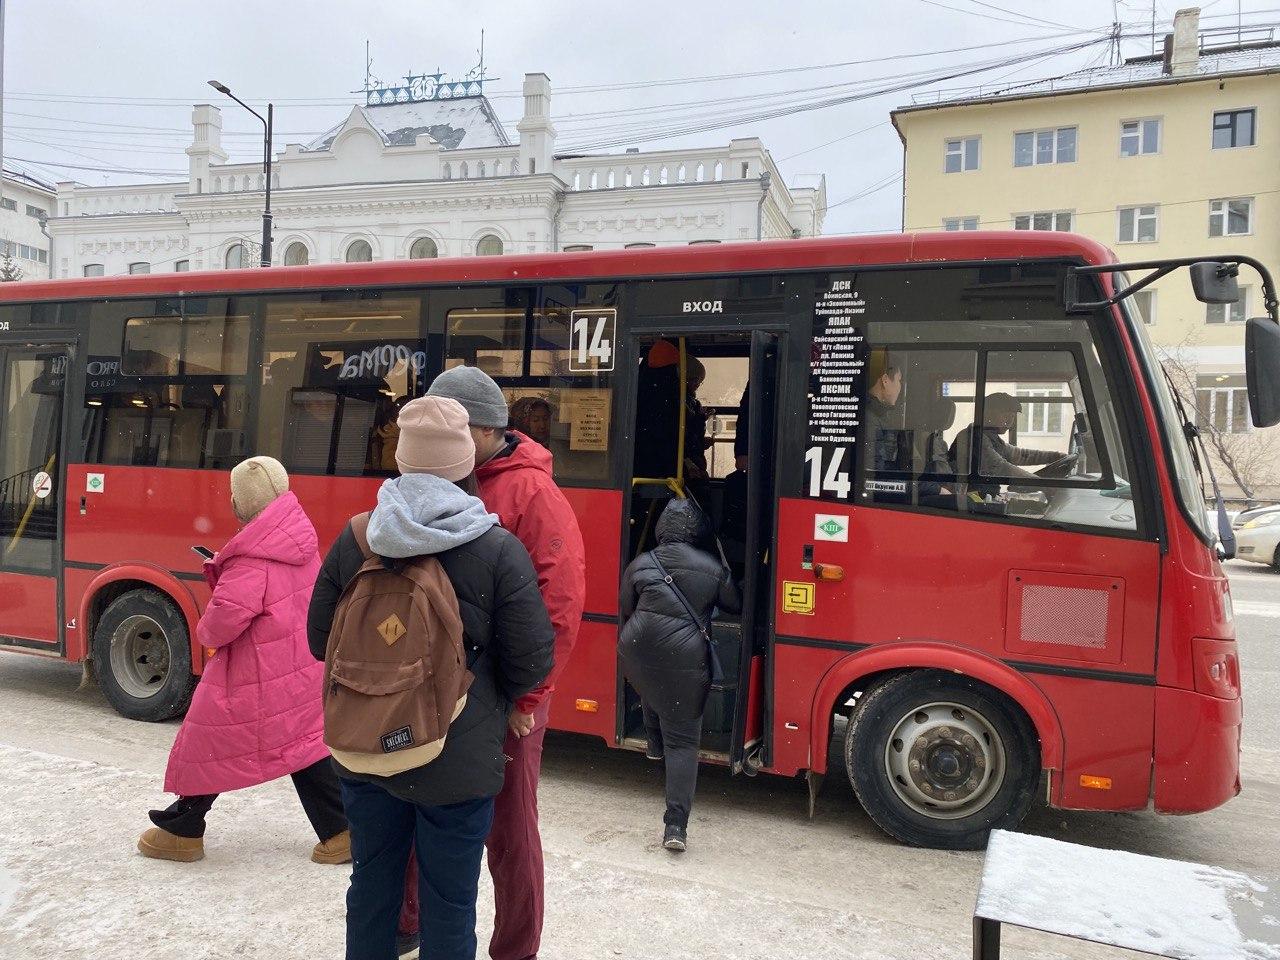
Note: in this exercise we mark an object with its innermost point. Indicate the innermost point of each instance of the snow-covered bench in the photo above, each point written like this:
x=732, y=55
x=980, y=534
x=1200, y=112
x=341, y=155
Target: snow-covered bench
x=1166, y=908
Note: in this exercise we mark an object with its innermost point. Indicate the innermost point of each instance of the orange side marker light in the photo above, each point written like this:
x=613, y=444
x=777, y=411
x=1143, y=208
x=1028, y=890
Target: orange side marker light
x=1095, y=783
x=828, y=571
x=586, y=706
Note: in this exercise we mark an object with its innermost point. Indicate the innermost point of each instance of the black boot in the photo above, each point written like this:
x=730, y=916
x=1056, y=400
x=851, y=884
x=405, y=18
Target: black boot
x=675, y=838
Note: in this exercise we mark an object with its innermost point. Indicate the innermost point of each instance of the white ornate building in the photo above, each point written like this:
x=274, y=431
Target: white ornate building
x=428, y=170
x=25, y=204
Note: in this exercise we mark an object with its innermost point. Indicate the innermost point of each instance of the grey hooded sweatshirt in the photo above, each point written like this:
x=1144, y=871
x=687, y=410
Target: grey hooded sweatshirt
x=506, y=630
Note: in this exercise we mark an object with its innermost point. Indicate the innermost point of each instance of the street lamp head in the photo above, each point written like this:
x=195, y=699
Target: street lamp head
x=220, y=87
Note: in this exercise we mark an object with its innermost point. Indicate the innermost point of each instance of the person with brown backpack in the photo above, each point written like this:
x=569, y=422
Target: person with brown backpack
x=428, y=617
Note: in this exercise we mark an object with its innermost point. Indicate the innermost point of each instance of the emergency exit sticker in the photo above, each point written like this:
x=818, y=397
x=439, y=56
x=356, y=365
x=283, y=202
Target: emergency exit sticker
x=831, y=526
x=797, y=597
x=95, y=483
x=41, y=485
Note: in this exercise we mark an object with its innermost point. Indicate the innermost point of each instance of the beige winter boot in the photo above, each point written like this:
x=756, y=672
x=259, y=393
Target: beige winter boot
x=337, y=849
x=162, y=845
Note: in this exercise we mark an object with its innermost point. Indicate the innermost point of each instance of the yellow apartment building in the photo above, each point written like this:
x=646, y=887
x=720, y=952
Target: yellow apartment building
x=1171, y=155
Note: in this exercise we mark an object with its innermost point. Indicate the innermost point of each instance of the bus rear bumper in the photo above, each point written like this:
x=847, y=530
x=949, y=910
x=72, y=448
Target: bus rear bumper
x=1197, y=756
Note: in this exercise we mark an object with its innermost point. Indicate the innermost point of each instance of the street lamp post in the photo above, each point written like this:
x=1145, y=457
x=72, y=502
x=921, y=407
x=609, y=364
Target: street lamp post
x=266, y=165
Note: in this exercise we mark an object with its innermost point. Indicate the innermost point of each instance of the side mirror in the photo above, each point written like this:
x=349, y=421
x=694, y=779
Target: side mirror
x=1262, y=370
x=1215, y=282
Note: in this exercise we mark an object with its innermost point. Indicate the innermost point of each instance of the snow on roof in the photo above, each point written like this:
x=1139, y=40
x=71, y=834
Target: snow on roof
x=453, y=123
x=1135, y=72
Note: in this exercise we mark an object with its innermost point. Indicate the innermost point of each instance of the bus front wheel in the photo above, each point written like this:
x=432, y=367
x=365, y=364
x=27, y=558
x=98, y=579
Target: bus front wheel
x=142, y=652
x=940, y=760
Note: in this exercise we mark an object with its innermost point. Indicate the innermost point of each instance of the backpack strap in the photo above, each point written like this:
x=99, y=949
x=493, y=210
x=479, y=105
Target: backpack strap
x=360, y=530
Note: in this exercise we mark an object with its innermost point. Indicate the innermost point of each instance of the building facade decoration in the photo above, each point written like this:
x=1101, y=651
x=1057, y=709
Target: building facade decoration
x=429, y=160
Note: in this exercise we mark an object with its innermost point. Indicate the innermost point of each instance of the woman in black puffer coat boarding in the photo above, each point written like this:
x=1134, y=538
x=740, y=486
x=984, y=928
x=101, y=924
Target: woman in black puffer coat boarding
x=669, y=595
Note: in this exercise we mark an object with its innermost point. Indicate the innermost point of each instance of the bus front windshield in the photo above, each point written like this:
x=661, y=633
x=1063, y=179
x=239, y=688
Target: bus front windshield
x=1182, y=457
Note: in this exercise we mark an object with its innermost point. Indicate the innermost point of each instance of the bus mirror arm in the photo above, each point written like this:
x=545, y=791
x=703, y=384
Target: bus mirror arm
x=1207, y=275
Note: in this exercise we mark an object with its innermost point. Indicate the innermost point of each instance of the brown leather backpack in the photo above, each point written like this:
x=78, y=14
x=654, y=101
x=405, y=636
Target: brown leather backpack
x=395, y=672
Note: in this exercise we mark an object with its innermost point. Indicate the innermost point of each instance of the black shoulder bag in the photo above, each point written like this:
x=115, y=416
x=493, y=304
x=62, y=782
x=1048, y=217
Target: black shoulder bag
x=713, y=658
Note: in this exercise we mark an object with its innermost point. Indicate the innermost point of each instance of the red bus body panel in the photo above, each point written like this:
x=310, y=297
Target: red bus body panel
x=1129, y=712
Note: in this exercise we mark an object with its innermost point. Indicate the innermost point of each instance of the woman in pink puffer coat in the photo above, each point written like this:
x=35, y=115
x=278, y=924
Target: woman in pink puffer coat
x=256, y=715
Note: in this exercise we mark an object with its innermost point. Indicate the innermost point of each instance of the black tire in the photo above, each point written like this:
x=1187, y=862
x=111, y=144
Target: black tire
x=142, y=652
x=1275, y=560
x=938, y=711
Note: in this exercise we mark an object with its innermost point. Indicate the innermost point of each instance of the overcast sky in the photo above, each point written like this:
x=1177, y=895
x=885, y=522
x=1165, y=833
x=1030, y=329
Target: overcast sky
x=110, y=84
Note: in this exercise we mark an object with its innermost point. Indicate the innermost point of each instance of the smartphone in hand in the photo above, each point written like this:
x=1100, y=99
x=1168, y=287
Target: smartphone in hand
x=204, y=552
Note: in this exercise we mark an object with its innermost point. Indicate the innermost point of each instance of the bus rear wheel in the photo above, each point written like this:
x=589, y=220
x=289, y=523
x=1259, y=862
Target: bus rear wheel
x=940, y=760
x=142, y=652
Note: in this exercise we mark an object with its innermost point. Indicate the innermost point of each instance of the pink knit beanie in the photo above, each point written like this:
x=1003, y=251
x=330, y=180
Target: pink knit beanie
x=434, y=438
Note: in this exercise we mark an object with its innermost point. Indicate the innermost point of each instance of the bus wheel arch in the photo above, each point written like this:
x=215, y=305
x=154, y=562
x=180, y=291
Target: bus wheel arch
x=860, y=671
x=139, y=635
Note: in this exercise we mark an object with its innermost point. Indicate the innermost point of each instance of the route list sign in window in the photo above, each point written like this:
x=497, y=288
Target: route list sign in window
x=836, y=381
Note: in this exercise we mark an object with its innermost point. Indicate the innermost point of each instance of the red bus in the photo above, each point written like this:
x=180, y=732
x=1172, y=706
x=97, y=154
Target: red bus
x=988, y=632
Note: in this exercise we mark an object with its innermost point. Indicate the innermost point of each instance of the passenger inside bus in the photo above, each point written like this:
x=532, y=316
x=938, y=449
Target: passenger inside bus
x=532, y=417
x=997, y=457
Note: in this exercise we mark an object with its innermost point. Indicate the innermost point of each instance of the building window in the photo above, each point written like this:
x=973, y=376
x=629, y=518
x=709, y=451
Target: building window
x=578, y=248
x=1044, y=220
x=447, y=172
x=1138, y=137
x=42, y=256
x=182, y=266
x=1231, y=218
x=960, y=223
x=136, y=268
x=639, y=246
x=1138, y=224
x=962, y=155
x=38, y=212
x=234, y=260
x=296, y=254
x=1044, y=418
x=696, y=243
x=359, y=251
x=1236, y=312
x=424, y=248
x=489, y=246
x=1222, y=404
x=9, y=203
x=1234, y=128
x=1036, y=147
x=1144, y=301
x=94, y=270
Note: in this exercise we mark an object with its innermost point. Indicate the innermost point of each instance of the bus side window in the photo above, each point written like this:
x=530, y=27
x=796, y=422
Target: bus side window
x=335, y=372
x=557, y=378
x=167, y=384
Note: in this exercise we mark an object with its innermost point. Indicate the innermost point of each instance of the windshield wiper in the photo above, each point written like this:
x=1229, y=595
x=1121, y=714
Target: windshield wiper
x=1226, y=537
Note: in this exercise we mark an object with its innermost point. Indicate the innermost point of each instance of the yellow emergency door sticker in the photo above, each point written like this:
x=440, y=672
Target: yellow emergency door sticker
x=797, y=597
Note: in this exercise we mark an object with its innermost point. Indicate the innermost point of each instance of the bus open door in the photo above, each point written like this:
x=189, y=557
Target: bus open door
x=33, y=382
x=735, y=373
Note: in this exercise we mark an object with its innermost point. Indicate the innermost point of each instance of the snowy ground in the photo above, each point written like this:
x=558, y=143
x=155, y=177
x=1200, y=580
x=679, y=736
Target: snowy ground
x=760, y=881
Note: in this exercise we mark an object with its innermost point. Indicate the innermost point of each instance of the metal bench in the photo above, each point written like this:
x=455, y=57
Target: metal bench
x=1165, y=908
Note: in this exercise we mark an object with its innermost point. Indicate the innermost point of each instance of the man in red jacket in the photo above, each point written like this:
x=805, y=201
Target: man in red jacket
x=515, y=480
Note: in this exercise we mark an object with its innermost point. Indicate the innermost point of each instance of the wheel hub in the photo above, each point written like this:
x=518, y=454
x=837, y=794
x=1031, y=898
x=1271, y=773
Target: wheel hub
x=140, y=656
x=945, y=760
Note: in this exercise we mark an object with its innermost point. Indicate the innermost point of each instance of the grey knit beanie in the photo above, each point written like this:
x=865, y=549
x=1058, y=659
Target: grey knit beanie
x=479, y=395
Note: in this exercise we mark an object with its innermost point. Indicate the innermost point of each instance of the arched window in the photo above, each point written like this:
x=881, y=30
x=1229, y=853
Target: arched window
x=699, y=173
x=515, y=166
x=609, y=181
x=680, y=174
x=480, y=169
x=447, y=171
x=489, y=246
x=359, y=251
x=140, y=268
x=639, y=246
x=462, y=170
x=626, y=177
x=594, y=182
x=234, y=259
x=424, y=248
x=662, y=175
x=644, y=177
x=577, y=179
x=296, y=254
x=577, y=248
x=93, y=270
x=719, y=170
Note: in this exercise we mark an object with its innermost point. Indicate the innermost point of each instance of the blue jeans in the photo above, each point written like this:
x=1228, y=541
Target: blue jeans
x=449, y=842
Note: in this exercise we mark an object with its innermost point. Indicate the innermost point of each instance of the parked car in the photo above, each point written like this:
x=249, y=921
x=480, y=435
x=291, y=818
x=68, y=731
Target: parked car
x=1238, y=520
x=1258, y=535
